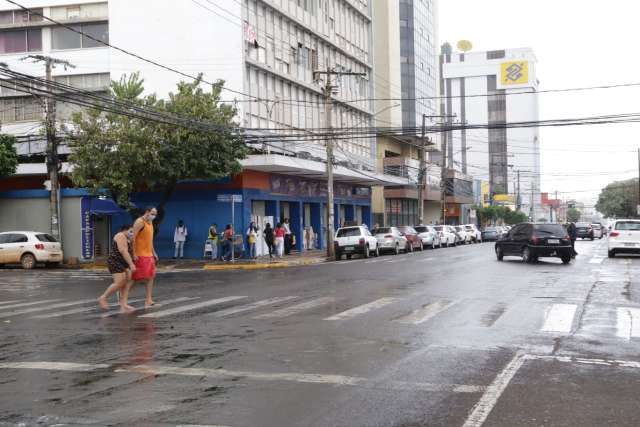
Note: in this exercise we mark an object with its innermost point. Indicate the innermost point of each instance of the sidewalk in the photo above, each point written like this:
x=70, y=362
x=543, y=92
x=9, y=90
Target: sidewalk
x=295, y=259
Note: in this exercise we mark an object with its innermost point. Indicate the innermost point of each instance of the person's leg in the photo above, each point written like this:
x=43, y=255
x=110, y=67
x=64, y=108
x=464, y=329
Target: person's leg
x=124, y=295
x=214, y=250
x=148, y=298
x=175, y=251
x=119, y=279
x=181, y=250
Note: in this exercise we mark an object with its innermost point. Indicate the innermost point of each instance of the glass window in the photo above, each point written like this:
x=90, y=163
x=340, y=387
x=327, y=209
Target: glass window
x=34, y=40
x=63, y=38
x=13, y=41
x=18, y=238
x=6, y=17
x=628, y=225
x=349, y=232
x=46, y=238
x=97, y=31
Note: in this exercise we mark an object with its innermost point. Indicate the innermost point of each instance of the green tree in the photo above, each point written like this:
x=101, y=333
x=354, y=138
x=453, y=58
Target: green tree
x=619, y=199
x=573, y=215
x=122, y=155
x=8, y=156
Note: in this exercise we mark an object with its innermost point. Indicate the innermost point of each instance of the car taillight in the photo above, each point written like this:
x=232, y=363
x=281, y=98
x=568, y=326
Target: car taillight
x=388, y=236
x=39, y=246
x=614, y=234
x=361, y=241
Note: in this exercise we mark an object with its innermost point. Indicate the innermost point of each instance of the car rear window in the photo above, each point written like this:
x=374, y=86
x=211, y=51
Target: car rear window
x=596, y=226
x=349, y=232
x=547, y=229
x=491, y=229
x=628, y=225
x=421, y=229
x=438, y=228
x=46, y=238
x=406, y=229
x=383, y=230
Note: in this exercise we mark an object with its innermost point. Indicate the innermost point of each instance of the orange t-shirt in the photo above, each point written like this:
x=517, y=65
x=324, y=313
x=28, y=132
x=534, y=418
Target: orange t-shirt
x=143, y=245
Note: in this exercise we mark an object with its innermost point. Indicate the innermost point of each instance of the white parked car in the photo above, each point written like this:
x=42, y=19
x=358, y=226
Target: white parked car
x=624, y=237
x=476, y=234
x=465, y=237
x=355, y=240
x=29, y=248
x=598, y=232
x=429, y=235
x=447, y=235
x=390, y=239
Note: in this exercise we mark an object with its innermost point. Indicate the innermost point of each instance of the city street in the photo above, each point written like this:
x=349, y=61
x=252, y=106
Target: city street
x=441, y=337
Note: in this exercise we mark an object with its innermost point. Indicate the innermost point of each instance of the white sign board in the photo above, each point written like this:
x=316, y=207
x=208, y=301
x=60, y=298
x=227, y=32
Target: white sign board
x=236, y=198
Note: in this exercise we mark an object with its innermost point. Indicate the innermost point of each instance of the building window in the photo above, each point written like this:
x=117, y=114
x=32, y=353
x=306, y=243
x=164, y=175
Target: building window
x=20, y=109
x=62, y=38
x=26, y=40
x=20, y=16
x=99, y=81
x=496, y=54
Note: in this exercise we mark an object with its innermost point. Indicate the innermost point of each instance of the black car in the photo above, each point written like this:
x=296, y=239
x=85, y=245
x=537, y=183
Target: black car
x=531, y=241
x=490, y=234
x=584, y=230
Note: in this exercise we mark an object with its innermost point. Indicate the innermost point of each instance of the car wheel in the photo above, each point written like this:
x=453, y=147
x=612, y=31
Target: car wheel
x=566, y=259
x=421, y=246
x=28, y=261
x=526, y=254
x=348, y=256
x=410, y=249
x=338, y=256
x=499, y=253
x=433, y=244
x=397, y=250
x=591, y=238
x=366, y=251
x=377, y=252
x=611, y=254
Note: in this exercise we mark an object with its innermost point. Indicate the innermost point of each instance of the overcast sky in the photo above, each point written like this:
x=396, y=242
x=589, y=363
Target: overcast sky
x=578, y=43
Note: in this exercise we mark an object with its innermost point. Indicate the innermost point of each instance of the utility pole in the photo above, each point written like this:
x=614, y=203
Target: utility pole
x=328, y=107
x=421, y=172
x=53, y=161
x=518, y=203
x=638, y=206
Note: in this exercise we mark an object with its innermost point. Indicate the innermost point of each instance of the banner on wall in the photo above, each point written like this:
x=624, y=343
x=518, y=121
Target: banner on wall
x=87, y=228
x=514, y=73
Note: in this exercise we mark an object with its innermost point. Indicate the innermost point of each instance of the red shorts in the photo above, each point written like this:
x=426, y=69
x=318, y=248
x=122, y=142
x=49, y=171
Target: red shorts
x=145, y=268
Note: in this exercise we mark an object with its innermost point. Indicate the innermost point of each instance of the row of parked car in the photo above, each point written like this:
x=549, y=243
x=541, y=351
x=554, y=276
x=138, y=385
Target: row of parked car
x=360, y=240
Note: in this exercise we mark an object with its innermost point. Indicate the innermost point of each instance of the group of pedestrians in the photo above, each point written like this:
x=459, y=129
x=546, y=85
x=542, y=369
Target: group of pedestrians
x=276, y=239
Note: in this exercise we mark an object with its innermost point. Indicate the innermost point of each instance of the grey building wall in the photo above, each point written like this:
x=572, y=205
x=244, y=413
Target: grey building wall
x=33, y=215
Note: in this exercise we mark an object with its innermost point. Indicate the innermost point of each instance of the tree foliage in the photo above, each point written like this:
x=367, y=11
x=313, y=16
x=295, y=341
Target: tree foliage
x=573, y=215
x=619, y=199
x=123, y=155
x=504, y=214
x=8, y=156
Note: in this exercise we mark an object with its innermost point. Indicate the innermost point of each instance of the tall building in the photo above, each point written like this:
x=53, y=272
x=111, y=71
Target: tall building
x=491, y=89
x=405, y=57
x=266, y=51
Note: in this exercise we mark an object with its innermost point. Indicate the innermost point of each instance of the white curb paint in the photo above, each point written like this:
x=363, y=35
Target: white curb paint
x=189, y=307
x=365, y=308
x=559, y=318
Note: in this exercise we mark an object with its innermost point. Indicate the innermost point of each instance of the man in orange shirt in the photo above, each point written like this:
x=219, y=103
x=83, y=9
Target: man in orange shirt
x=144, y=254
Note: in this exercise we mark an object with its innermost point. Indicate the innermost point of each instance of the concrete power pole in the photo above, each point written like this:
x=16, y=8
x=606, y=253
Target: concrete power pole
x=53, y=161
x=421, y=172
x=328, y=107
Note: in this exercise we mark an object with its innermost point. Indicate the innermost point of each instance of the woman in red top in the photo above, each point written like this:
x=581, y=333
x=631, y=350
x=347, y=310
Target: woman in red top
x=279, y=234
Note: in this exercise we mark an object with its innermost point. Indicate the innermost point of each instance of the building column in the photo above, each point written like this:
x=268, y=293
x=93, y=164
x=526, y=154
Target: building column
x=296, y=222
x=316, y=223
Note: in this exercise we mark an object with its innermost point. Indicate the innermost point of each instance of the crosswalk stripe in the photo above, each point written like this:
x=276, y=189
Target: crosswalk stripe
x=182, y=309
x=10, y=302
x=252, y=306
x=294, y=309
x=559, y=318
x=48, y=307
x=596, y=260
x=26, y=304
x=139, y=309
x=425, y=313
x=628, y=324
x=76, y=311
x=351, y=313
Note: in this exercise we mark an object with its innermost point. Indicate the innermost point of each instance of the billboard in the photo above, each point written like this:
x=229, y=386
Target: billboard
x=514, y=73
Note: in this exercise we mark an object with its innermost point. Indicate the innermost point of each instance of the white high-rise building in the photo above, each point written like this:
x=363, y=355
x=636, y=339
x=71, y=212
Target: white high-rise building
x=491, y=89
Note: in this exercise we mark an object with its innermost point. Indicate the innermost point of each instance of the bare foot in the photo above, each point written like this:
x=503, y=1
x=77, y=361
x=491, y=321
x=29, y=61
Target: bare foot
x=103, y=303
x=149, y=304
x=126, y=309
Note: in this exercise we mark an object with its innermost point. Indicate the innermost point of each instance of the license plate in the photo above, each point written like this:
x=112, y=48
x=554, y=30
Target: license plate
x=348, y=249
x=553, y=241
x=630, y=244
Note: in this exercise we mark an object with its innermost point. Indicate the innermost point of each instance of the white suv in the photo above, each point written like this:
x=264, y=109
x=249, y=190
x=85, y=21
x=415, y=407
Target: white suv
x=624, y=237
x=29, y=248
x=476, y=235
x=355, y=240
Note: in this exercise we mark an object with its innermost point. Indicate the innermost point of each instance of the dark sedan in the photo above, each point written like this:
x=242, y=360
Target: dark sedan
x=532, y=241
x=584, y=230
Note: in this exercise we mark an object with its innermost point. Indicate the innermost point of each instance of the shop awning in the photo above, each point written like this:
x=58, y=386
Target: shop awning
x=105, y=207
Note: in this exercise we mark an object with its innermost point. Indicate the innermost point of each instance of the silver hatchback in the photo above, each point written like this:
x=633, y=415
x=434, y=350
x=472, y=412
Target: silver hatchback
x=390, y=239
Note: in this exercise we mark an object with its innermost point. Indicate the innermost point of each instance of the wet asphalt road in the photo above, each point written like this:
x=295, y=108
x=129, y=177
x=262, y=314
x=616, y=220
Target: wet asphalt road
x=449, y=337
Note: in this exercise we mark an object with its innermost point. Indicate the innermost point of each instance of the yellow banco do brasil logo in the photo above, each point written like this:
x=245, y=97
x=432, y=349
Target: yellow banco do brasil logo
x=515, y=72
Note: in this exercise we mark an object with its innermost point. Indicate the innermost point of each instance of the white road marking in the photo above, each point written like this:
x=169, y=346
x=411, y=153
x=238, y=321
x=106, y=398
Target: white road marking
x=48, y=307
x=26, y=304
x=76, y=311
x=331, y=379
x=596, y=260
x=371, y=261
x=425, y=313
x=54, y=366
x=351, y=313
x=428, y=259
x=10, y=302
x=628, y=324
x=252, y=306
x=182, y=309
x=485, y=405
x=559, y=318
x=157, y=305
x=294, y=309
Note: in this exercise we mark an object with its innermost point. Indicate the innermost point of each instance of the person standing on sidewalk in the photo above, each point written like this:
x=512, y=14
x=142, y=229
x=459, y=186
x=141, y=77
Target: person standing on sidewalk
x=280, y=234
x=227, y=243
x=213, y=239
x=252, y=238
x=120, y=264
x=287, y=237
x=269, y=238
x=179, y=237
x=144, y=254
